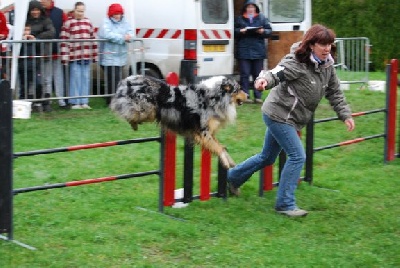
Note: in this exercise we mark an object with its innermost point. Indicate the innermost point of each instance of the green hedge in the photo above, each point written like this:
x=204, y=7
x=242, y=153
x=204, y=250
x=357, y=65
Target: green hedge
x=378, y=20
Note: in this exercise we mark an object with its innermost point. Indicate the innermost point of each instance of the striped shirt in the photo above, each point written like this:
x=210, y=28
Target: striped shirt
x=74, y=29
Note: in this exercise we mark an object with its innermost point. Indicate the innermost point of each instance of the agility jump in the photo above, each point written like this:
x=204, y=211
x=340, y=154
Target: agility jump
x=166, y=173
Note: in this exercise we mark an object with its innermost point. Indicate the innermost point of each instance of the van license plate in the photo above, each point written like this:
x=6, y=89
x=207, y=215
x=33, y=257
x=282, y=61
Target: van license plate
x=214, y=48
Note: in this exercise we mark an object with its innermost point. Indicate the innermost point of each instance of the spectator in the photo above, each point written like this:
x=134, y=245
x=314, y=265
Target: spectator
x=27, y=66
x=3, y=36
x=251, y=29
x=54, y=68
x=41, y=28
x=113, y=54
x=78, y=55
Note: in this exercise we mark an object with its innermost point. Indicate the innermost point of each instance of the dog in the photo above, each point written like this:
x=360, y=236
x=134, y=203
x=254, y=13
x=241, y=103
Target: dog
x=194, y=111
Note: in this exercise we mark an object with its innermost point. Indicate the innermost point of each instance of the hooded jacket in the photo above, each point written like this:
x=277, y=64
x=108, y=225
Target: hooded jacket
x=42, y=27
x=297, y=89
x=250, y=44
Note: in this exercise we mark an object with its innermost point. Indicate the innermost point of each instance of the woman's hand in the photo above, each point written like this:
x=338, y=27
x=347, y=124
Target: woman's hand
x=260, y=83
x=350, y=124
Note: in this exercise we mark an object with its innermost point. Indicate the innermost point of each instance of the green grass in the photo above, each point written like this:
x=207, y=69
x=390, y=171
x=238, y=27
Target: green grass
x=353, y=203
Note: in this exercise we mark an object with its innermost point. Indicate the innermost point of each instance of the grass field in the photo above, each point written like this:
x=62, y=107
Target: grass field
x=354, y=201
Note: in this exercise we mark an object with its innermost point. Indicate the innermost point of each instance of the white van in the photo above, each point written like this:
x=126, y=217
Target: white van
x=193, y=38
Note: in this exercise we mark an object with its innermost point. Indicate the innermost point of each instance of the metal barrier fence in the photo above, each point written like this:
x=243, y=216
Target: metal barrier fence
x=42, y=75
x=352, y=59
x=40, y=69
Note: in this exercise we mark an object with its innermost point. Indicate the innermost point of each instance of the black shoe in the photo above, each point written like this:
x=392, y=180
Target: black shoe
x=64, y=107
x=37, y=108
x=233, y=191
x=46, y=107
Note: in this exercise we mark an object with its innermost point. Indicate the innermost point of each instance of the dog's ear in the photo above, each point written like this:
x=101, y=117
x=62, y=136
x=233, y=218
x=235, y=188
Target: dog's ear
x=228, y=85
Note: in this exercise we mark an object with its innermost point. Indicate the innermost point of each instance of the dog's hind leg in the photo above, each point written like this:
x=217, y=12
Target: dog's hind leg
x=207, y=141
x=134, y=125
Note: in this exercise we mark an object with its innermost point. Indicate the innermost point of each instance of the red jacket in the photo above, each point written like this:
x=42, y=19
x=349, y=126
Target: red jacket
x=3, y=26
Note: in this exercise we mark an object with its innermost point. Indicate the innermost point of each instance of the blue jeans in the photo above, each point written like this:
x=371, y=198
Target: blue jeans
x=247, y=68
x=79, y=82
x=278, y=136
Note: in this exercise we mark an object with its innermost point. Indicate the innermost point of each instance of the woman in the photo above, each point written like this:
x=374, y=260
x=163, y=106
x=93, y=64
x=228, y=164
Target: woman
x=251, y=30
x=298, y=84
x=113, y=54
x=41, y=28
x=79, y=55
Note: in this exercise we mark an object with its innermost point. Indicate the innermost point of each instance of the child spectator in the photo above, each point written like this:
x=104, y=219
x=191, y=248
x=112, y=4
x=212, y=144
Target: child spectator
x=28, y=68
x=78, y=55
x=114, y=53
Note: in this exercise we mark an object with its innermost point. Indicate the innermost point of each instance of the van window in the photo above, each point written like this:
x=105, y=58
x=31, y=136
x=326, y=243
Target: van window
x=286, y=10
x=215, y=12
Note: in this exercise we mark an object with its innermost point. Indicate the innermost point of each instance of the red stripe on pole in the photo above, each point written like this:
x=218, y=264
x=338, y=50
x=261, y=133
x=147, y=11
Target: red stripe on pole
x=391, y=130
x=357, y=114
x=169, y=168
x=268, y=178
x=351, y=141
x=93, y=145
x=205, y=175
x=170, y=155
x=89, y=181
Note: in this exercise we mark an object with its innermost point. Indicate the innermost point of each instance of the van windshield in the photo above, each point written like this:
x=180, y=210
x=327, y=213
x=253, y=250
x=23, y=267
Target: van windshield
x=286, y=11
x=215, y=12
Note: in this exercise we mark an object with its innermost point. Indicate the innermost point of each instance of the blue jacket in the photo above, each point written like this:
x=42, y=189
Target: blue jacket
x=115, y=51
x=56, y=16
x=251, y=45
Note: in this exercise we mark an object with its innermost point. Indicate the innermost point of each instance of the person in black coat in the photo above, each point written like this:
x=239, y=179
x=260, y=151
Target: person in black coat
x=251, y=30
x=28, y=66
x=42, y=28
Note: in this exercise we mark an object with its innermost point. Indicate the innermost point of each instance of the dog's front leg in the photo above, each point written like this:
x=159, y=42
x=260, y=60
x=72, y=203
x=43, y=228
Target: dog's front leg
x=207, y=141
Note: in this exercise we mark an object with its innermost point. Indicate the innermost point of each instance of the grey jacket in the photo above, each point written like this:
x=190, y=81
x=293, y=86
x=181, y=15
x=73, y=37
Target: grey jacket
x=297, y=89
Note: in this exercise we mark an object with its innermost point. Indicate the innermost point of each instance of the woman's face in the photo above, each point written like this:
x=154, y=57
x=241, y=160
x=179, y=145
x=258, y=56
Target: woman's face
x=321, y=51
x=35, y=13
x=250, y=9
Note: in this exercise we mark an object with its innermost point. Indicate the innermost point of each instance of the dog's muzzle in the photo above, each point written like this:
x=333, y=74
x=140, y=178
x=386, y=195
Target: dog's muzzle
x=240, y=97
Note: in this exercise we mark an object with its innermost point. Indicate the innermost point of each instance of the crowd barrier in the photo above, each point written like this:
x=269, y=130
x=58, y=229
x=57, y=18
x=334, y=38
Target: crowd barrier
x=352, y=65
x=43, y=59
x=352, y=59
